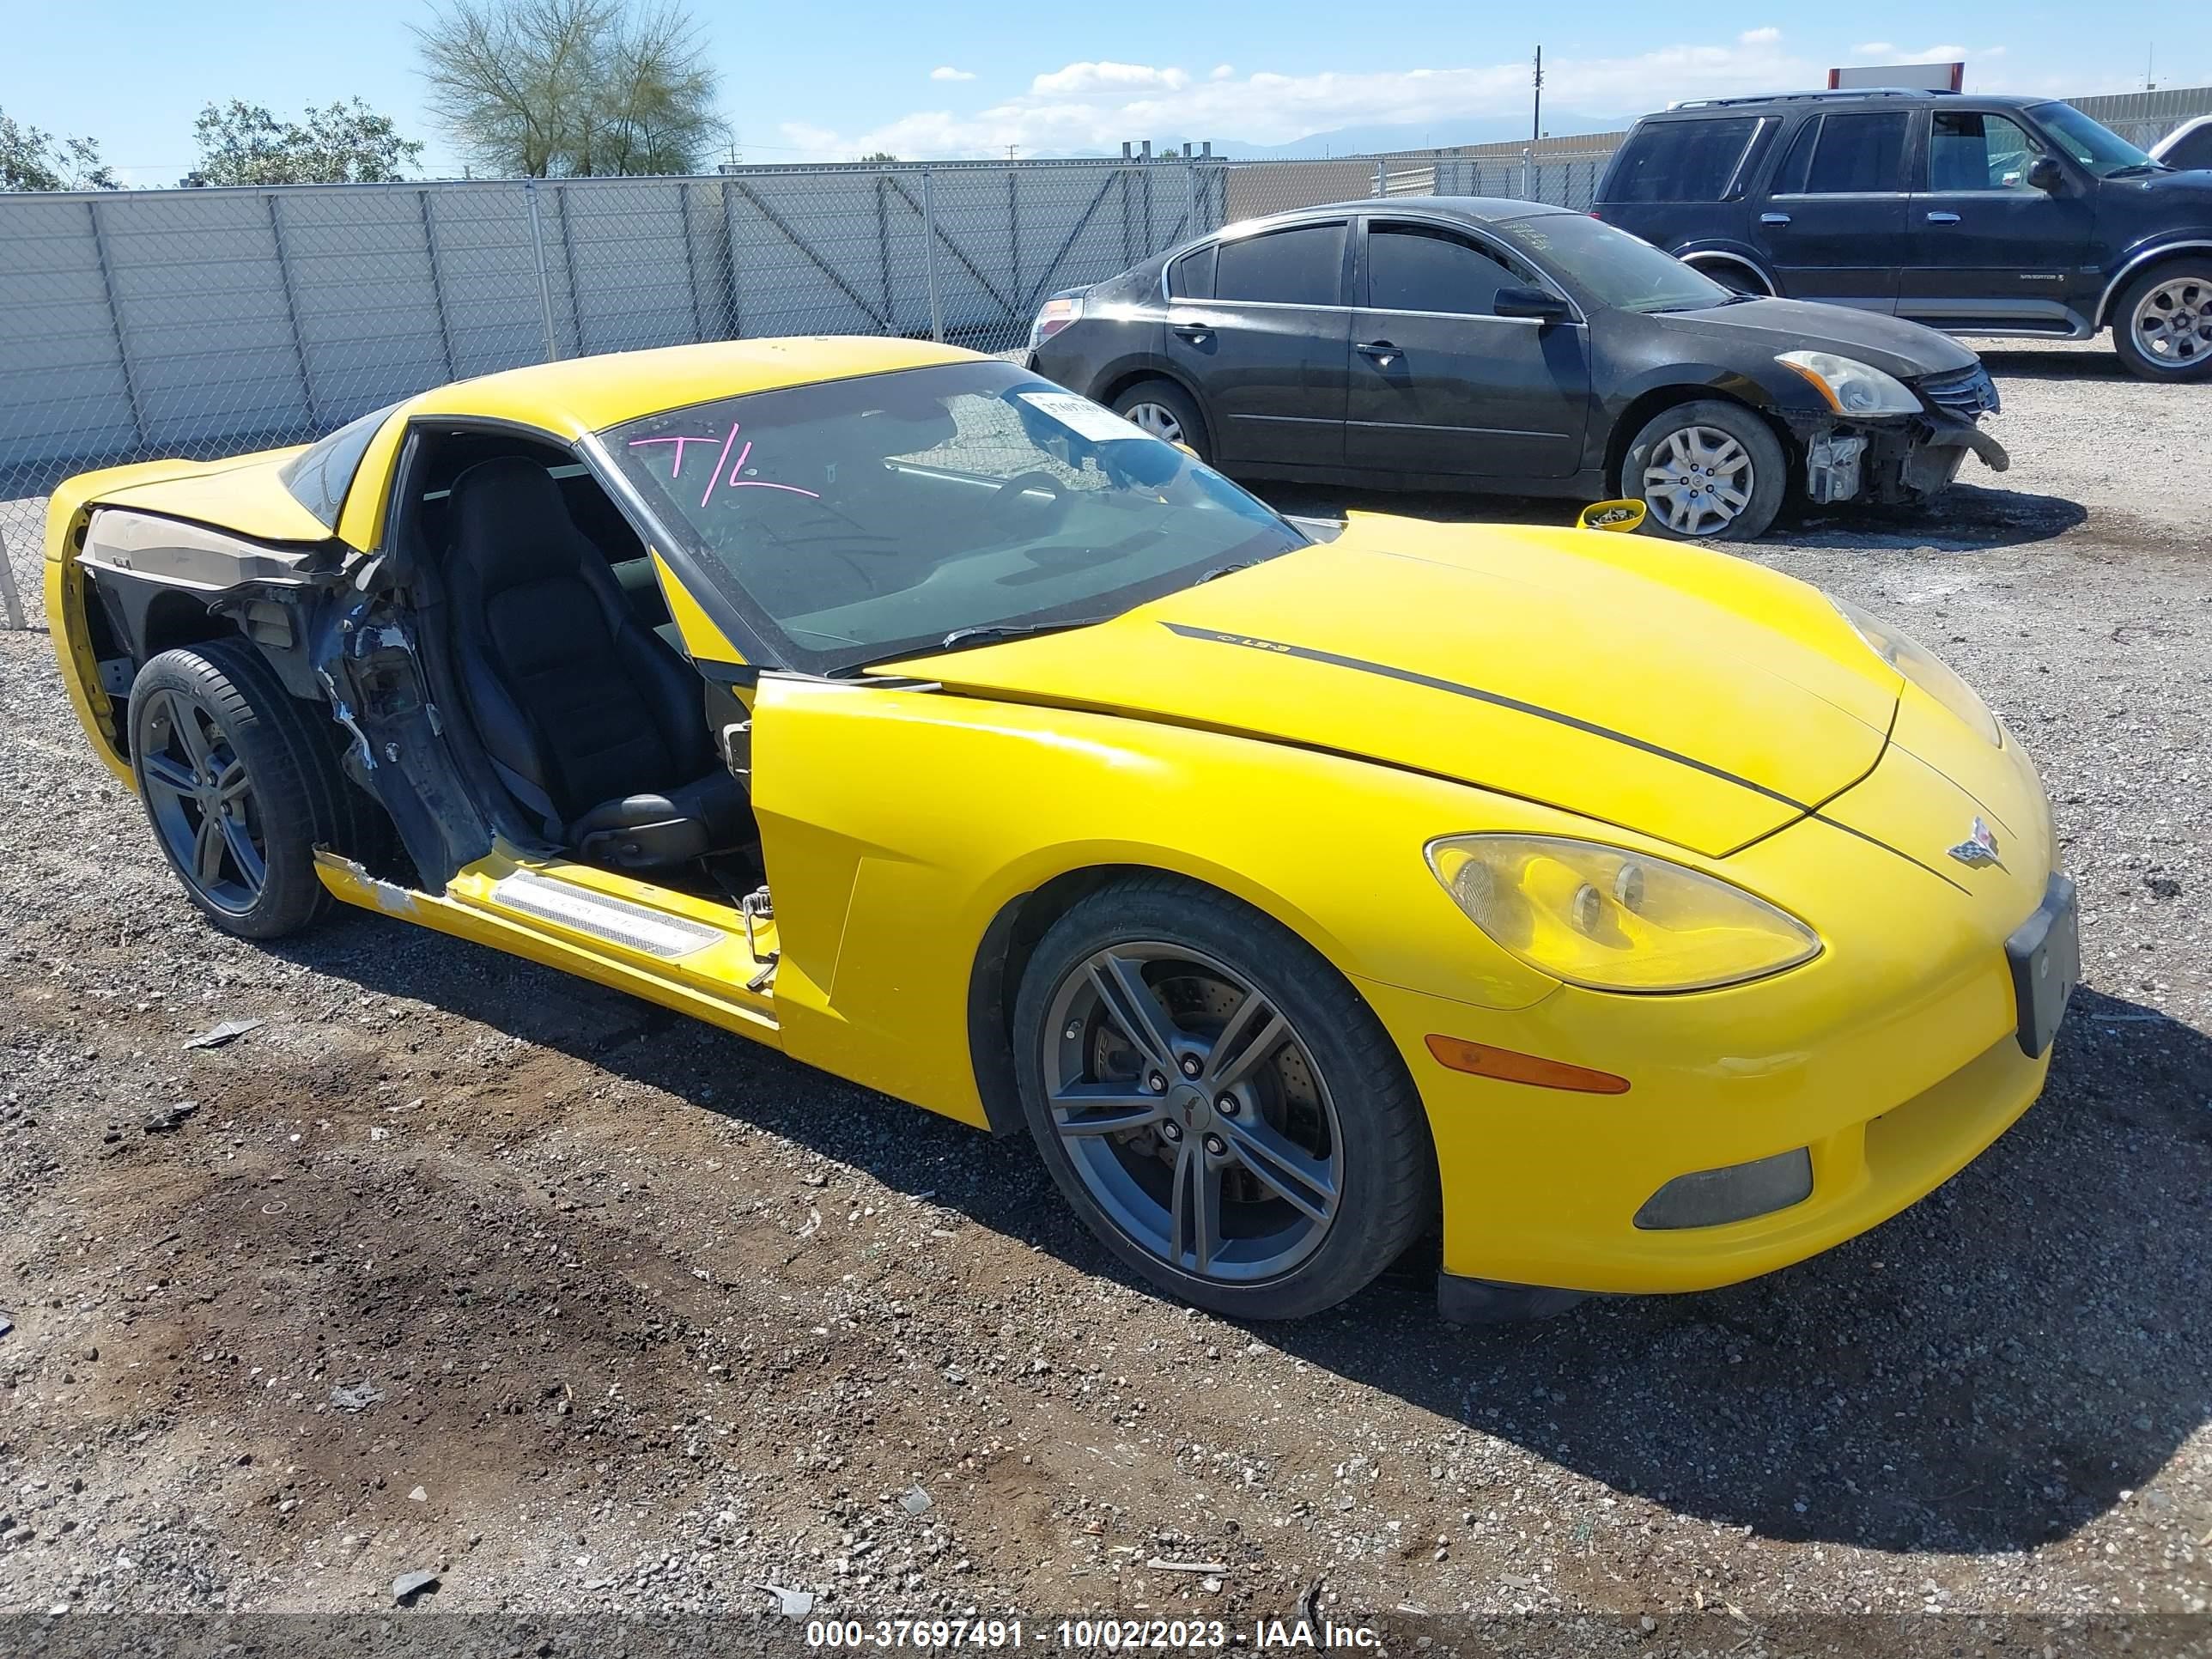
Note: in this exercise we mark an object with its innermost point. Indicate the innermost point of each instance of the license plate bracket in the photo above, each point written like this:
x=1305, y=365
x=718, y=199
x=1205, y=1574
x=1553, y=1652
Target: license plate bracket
x=2045, y=954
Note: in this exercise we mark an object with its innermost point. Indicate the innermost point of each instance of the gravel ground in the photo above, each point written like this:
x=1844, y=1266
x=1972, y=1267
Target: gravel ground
x=453, y=1264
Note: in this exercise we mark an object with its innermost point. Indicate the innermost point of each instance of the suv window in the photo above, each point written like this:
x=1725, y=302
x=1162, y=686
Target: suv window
x=1299, y=267
x=1844, y=155
x=1972, y=149
x=1191, y=278
x=1422, y=268
x=1681, y=161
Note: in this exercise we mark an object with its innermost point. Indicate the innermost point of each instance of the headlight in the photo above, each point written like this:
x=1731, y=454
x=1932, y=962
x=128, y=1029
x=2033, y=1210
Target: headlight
x=1614, y=920
x=1850, y=387
x=1055, y=315
x=1924, y=669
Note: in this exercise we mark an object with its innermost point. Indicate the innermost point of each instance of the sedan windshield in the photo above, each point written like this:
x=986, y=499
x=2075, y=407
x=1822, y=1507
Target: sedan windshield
x=1604, y=266
x=861, y=520
x=2091, y=143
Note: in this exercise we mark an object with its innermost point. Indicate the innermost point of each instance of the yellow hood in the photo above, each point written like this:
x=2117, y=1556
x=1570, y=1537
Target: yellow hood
x=1679, y=692
x=242, y=494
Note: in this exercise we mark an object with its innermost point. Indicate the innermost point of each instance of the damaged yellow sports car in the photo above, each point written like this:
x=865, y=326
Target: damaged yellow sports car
x=1643, y=915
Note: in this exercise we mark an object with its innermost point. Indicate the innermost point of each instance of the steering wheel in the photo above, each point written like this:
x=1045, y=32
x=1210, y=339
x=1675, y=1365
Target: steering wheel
x=1004, y=505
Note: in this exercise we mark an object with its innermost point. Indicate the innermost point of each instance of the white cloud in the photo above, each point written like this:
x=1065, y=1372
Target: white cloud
x=947, y=72
x=1094, y=106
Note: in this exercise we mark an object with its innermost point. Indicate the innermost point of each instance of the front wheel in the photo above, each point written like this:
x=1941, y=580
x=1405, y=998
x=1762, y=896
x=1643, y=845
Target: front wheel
x=1706, y=469
x=239, y=786
x=2162, y=326
x=1217, y=1103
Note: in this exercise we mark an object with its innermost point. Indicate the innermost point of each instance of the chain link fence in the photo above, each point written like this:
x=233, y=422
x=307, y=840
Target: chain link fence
x=203, y=323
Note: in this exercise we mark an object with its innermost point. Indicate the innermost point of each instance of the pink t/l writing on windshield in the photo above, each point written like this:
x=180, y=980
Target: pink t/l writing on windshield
x=726, y=473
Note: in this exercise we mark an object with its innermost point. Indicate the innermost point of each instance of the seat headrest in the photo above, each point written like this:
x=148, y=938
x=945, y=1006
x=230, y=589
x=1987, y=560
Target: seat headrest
x=507, y=522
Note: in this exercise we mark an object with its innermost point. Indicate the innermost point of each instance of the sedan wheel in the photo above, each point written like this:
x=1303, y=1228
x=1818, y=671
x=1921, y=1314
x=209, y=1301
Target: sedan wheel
x=1699, y=481
x=1708, y=469
x=1192, y=1113
x=1156, y=420
x=1216, y=1103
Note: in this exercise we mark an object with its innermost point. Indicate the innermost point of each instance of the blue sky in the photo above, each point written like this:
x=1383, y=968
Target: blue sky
x=825, y=81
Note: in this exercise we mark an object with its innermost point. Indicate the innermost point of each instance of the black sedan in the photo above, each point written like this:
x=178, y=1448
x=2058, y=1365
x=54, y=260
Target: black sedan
x=1455, y=343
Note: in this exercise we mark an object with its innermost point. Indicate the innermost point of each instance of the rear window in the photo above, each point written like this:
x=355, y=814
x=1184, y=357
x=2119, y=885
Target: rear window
x=1845, y=155
x=1681, y=161
x=1191, y=278
x=1300, y=267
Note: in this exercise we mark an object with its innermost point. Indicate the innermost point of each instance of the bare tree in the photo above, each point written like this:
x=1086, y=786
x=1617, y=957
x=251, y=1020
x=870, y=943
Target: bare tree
x=552, y=88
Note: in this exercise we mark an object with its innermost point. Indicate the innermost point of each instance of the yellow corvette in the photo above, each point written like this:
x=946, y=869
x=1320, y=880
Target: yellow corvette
x=1644, y=917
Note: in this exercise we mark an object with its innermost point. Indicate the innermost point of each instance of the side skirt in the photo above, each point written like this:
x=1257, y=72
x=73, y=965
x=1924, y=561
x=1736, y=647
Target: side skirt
x=687, y=954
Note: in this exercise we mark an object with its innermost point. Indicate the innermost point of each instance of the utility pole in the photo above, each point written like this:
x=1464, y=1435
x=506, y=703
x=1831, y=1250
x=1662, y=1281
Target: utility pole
x=1536, y=115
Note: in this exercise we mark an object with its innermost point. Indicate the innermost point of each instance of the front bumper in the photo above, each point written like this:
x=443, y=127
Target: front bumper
x=1893, y=1058
x=1906, y=459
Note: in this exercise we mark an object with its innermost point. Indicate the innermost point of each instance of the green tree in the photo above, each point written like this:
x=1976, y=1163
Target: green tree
x=569, y=88
x=32, y=159
x=242, y=143
x=879, y=156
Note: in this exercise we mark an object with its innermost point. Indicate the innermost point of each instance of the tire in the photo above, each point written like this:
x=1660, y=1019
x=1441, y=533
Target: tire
x=1705, y=517
x=286, y=795
x=1327, y=1107
x=1165, y=410
x=2162, y=326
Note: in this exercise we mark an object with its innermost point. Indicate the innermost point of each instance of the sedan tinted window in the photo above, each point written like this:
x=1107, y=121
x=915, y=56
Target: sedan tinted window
x=1850, y=154
x=1419, y=268
x=1300, y=267
x=1191, y=278
x=1680, y=160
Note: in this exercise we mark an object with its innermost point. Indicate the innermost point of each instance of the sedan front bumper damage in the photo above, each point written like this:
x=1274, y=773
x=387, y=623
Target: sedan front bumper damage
x=1892, y=462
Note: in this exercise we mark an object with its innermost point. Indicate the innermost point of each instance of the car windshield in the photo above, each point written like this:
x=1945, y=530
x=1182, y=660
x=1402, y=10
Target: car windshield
x=2091, y=143
x=1605, y=266
x=861, y=520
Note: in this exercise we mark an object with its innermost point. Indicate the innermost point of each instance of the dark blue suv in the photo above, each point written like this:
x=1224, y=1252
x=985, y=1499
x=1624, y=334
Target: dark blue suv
x=1978, y=215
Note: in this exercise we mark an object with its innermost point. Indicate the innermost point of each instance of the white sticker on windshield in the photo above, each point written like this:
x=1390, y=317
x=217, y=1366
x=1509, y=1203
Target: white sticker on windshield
x=1081, y=416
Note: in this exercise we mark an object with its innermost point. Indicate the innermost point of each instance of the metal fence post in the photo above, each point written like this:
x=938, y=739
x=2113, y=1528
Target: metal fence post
x=1382, y=177
x=115, y=323
x=10, y=605
x=1527, y=163
x=544, y=279
x=929, y=256
x=292, y=314
x=437, y=283
x=1191, y=228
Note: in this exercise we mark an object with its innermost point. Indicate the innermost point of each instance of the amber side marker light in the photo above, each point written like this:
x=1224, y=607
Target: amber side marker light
x=1481, y=1060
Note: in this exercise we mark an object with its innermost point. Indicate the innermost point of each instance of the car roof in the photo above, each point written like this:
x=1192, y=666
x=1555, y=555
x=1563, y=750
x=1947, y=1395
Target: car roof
x=577, y=395
x=1703, y=108
x=1474, y=210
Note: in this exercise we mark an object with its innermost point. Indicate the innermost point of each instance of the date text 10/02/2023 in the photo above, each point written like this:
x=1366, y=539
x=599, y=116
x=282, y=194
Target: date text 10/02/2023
x=1109, y=1634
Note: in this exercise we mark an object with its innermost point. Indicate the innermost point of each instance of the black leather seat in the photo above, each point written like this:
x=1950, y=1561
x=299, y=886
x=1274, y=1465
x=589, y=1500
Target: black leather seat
x=590, y=720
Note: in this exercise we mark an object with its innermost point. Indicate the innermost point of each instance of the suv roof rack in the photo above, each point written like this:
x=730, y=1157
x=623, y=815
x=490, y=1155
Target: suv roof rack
x=1828, y=92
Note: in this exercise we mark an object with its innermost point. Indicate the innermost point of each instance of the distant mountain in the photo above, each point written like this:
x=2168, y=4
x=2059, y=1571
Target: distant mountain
x=1434, y=134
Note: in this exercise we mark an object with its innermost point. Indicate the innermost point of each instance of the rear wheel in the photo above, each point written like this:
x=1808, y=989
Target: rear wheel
x=2162, y=326
x=1165, y=411
x=1216, y=1103
x=239, y=786
x=1707, y=469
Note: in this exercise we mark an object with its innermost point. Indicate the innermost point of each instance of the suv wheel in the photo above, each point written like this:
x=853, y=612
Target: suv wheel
x=1706, y=471
x=2162, y=326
